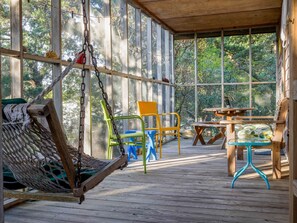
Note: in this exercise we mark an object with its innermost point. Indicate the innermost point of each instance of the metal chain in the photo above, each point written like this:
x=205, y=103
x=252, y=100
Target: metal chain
x=100, y=83
x=88, y=46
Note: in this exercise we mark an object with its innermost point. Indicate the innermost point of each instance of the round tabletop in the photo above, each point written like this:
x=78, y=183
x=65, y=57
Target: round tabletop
x=249, y=142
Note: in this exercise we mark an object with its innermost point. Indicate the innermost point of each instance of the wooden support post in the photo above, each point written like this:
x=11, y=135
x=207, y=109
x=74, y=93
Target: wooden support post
x=293, y=109
x=159, y=66
x=88, y=94
x=108, y=47
x=1, y=170
x=56, y=47
x=149, y=63
x=124, y=60
x=222, y=69
x=172, y=99
x=149, y=57
x=108, y=50
x=196, y=76
x=16, y=64
x=138, y=55
x=167, y=75
x=231, y=150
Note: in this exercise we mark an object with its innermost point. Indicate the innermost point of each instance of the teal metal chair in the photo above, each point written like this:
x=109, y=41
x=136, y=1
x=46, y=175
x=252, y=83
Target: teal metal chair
x=138, y=136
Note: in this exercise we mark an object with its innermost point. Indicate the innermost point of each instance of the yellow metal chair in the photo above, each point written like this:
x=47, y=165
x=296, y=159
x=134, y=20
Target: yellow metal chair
x=150, y=109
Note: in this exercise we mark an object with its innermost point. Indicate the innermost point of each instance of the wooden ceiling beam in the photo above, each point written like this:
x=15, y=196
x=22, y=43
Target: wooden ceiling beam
x=179, y=8
x=223, y=14
x=225, y=21
x=184, y=16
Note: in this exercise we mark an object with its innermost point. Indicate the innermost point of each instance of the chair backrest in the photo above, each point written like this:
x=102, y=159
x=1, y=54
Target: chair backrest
x=147, y=107
x=281, y=119
x=106, y=117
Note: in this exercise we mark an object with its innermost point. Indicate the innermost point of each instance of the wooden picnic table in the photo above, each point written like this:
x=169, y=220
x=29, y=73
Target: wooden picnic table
x=225, y=112
x=228, y=112
x=199, y=128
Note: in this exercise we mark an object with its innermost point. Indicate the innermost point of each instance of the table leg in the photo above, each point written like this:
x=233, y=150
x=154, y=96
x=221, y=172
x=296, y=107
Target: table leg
x=198, y=136
x=238, y=174
x=221, y=134
x=250, y=163
x=151, y=149
x=231, y=150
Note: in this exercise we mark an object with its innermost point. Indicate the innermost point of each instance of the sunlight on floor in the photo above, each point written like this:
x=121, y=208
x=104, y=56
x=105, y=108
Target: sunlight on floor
x=166, y=163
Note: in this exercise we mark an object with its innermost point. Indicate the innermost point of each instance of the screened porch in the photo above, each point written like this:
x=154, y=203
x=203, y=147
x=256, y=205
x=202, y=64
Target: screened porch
x=185, y=55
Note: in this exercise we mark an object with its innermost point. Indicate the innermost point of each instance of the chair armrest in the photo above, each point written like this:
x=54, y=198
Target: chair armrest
x=172, y=113
x=149, y=114
x=127, y=117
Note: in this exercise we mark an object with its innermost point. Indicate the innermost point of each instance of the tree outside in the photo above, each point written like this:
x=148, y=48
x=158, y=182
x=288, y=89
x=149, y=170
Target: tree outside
x=236, y=84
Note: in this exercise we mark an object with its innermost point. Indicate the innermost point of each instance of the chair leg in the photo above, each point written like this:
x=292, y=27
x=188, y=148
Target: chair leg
x=144, y=154
x=160, y=145
x=276, y=161
x=109, y=150
x=178, y=139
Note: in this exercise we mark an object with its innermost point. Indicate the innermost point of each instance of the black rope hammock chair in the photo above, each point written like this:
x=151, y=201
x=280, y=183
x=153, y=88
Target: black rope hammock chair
x=35, y=150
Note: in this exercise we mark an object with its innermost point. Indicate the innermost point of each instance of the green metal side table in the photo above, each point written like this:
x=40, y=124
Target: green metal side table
x=249, y=144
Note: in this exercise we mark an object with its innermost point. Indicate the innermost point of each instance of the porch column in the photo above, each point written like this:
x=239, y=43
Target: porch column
x=293, y=110
x=56, y=47
x=159, y=66
x=1, y=170
x=124, y=59
x=16, y=64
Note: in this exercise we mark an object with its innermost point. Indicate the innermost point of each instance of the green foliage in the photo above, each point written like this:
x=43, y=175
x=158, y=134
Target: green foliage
x=209, y=60
x=236, y=70
x=236, y=59
x=36, y=26
x=184, y=57
x=263, y=57
x=5, y=24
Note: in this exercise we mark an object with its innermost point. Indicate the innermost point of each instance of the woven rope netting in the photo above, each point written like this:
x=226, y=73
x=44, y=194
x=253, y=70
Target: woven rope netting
x=31, y=154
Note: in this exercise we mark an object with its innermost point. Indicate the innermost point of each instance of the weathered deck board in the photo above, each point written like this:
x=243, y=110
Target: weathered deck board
x=193, y=187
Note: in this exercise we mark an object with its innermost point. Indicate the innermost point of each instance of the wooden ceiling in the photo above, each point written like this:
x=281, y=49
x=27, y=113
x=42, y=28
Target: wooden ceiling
x=188, y=16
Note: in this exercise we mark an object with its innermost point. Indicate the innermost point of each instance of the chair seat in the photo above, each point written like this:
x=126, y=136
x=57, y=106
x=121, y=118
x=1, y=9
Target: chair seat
x=170, y=129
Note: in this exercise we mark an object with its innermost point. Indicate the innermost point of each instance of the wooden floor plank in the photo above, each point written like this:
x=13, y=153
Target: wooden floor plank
x=192, y=187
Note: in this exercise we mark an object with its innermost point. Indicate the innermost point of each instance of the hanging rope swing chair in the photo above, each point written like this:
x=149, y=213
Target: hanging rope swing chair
x=35, y=150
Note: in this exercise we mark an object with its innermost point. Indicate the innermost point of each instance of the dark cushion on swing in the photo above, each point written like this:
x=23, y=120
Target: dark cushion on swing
x=59, y=176
x=9, y=182
x=13, y=101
